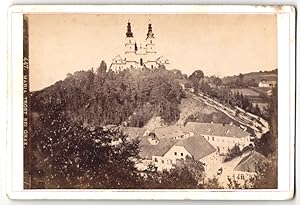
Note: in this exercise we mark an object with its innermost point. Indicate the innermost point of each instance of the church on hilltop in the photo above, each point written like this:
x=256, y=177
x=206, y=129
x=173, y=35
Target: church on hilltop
x=138, y=56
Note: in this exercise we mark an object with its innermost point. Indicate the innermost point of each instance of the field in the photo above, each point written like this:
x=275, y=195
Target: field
x=245, y=92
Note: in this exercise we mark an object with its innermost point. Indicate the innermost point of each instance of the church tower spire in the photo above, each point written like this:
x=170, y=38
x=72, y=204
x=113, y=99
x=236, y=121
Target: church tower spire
x=150, y=44
x=150, y=34
x=129, y=32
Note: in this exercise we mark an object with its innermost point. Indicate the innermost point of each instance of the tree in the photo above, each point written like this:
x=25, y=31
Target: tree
x=216, y=81
x=212, y=184
x=187, y=85
x=102, y=68
x=234, y=152
x=266, y=175
x=66, y=155
x=187, y=174
x=195, y=78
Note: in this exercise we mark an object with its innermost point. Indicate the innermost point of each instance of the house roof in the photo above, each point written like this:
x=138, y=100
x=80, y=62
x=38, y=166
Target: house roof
x=197, y=146
x=168, y=132
x=251, y=162
x=224, y=130
x=147, y=150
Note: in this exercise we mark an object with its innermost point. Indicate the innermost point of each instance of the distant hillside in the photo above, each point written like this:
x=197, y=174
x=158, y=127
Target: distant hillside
x=131, y=97
x=253, y=78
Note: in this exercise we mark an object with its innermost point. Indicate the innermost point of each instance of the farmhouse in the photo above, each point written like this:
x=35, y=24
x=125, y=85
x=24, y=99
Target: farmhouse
x=267, y=83
x=222, y=136
x=248, y=166
x=165, y=154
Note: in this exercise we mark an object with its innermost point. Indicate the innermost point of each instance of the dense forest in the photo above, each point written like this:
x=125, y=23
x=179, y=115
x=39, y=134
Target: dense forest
x=105, y=97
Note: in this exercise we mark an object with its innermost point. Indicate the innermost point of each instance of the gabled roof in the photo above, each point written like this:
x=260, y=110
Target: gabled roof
x=147, y=150
x=197, y=146
x=251, y=162
x=168, y=132
x=224, y=130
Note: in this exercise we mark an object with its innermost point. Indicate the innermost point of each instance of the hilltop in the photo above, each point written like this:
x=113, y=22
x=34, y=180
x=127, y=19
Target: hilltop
x=252, y=78
x=102, y=97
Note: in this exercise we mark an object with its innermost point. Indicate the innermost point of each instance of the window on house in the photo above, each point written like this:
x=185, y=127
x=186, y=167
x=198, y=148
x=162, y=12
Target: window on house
x=175, y=153
x=129, y=41
x=242, y=177
x=182, y=154
x=213, y=139
x=207, y=137
x=151, y=41
x=162, y=161
x=155, y=159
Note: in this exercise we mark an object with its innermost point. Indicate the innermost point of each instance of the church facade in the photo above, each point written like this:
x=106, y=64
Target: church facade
x=138, y=56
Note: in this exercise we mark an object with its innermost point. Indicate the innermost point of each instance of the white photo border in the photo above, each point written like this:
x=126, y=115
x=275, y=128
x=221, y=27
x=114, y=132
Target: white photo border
x=286, y=105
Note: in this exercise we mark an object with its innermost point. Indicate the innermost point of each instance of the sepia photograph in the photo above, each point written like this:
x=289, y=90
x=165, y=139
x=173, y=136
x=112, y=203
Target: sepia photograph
x=151, y=101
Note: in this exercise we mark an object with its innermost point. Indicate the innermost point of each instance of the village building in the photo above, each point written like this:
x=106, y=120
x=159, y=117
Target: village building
x=267, y=84
x=222, y=136
x=139, y=55
x=164, y=146
x=164, y=155
x=248, y=167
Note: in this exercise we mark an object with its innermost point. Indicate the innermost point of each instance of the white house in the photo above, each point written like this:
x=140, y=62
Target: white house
x=267, y=83
x=165, y=154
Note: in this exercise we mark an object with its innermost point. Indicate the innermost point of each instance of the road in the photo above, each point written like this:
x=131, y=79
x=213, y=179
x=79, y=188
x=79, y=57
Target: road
x=259, y=125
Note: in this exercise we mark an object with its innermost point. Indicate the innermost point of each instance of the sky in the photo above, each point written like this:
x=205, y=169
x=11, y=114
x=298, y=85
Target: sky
x=217, y=44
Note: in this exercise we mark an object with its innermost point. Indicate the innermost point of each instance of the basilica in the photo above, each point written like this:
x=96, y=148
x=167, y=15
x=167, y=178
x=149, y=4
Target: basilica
x=138, y=56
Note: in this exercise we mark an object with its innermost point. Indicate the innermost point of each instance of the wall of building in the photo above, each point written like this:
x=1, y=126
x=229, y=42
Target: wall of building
x=162, y=163
x=222, y=144
x=177, y=152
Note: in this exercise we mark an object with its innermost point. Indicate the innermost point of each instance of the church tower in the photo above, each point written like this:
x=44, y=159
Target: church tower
x=130, y=45
x=150, y=44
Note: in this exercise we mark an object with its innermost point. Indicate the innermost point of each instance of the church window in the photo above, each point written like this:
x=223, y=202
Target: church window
x=129, y=41
x=151, y=42
x=141, y=61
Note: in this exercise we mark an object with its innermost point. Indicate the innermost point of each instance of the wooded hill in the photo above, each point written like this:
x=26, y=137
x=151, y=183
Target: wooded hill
x=105, y=97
